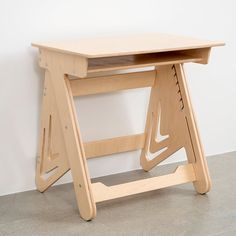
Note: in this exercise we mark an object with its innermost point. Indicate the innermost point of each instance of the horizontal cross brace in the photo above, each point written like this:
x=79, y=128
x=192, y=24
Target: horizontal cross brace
x=114, y=145
x=182, y=174
x=111, y=83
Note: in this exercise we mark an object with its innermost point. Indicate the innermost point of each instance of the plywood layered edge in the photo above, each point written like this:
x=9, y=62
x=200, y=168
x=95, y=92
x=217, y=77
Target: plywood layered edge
x=90, y=61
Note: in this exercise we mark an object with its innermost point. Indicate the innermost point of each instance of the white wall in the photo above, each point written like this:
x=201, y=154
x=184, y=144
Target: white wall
x=213, y=86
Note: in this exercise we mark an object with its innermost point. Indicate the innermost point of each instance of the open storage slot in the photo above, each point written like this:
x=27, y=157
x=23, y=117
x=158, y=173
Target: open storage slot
x=149, y=59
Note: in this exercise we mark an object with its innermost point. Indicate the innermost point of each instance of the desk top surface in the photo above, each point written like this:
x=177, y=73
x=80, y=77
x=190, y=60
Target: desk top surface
x=126, y=45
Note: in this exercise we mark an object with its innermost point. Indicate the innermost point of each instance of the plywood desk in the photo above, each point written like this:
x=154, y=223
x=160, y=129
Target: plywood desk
x=70, y=69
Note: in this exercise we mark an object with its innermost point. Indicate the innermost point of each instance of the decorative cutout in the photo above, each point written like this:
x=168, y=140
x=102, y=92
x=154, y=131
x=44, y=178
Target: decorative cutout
x=52, y=162
x=166, y=127
x=48, y=174
x=152, y=156
x=159, y=136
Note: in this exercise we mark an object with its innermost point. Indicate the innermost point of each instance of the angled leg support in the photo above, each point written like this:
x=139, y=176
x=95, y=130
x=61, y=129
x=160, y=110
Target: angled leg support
x=170, y=114
x=52, y=156
x=60, y=130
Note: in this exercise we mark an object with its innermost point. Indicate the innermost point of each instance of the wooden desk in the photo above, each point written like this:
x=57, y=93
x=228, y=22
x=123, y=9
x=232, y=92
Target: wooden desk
x=80, y=68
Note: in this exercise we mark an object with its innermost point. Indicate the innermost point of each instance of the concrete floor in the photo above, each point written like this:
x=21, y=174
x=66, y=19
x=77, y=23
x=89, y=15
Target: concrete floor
x=172, y=211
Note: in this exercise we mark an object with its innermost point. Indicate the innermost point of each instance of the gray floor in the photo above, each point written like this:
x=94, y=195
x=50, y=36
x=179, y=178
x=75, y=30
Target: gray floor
x=172, y=211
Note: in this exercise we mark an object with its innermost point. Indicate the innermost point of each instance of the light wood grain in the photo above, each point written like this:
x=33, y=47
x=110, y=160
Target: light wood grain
x=171, y=106
x=114, y=145
x=170, y=112
x=52, y=162
x=165, y=117
x=194, y=149
x=71, y=135
x=143, y=60
x=183, y=174
x=126, y=45
x=112, y=83
x=70, y=64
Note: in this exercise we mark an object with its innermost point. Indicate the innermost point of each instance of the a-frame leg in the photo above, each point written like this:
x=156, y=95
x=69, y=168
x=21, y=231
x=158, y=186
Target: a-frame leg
x=52, y=157
x=170, y=114
x=194, y=149
x=74, y=152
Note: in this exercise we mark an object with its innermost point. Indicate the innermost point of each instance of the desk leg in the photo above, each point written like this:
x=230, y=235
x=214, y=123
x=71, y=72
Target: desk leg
x=52, y=158
x=170, y=115
x=195, y=150
x=74, y=150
